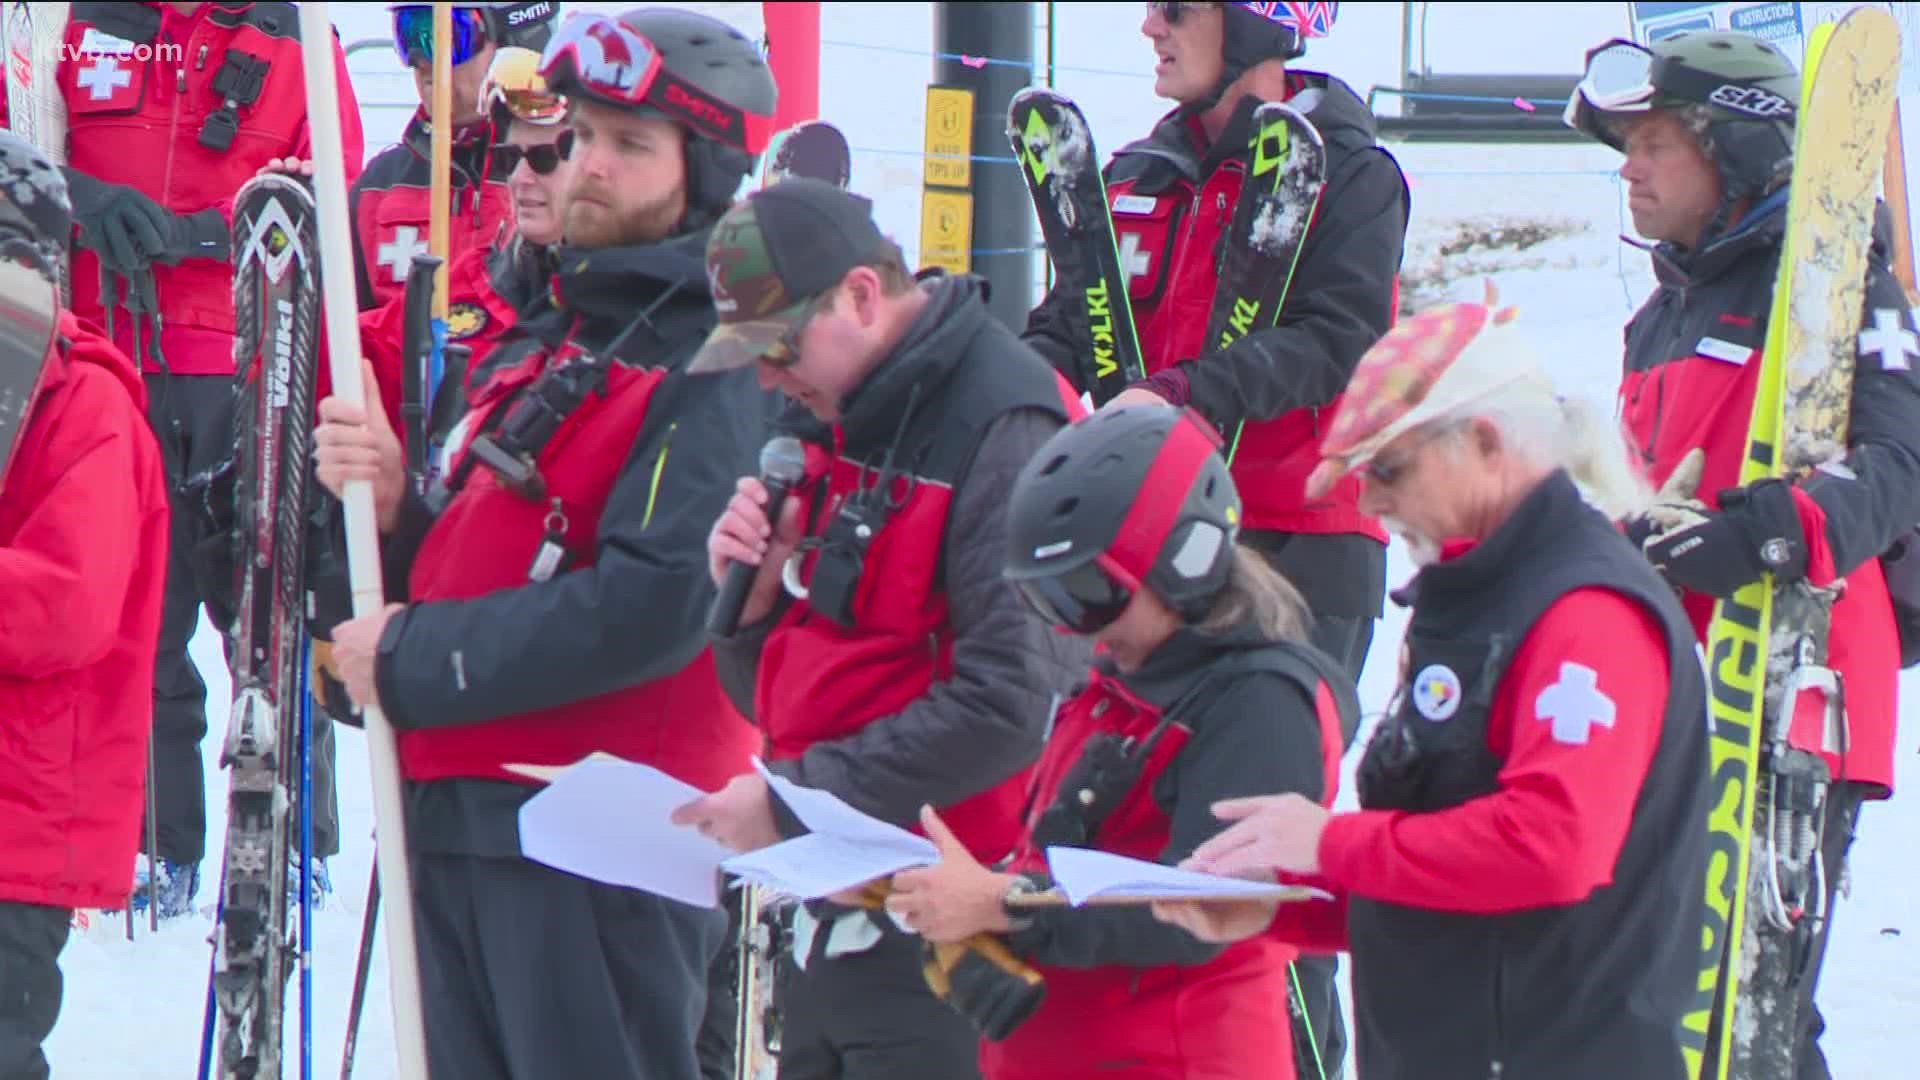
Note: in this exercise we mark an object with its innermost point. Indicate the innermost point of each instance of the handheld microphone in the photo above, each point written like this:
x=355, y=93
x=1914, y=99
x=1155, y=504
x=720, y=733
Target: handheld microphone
x=783, y=463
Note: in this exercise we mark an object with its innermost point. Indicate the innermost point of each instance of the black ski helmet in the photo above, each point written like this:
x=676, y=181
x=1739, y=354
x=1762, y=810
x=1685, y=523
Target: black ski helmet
x=1736, y=92
x=715, y=59
x=1124, y=498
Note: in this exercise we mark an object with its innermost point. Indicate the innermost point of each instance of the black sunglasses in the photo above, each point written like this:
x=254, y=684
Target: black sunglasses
x=1171, y=10
x=1085, y=599
x=542, y=159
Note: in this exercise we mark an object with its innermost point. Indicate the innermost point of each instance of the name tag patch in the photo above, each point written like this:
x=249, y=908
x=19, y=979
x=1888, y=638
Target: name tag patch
x=1134, y=204
x=1726, y=352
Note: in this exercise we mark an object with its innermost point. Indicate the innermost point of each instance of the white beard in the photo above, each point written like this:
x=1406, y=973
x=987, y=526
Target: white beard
x=1423, y=550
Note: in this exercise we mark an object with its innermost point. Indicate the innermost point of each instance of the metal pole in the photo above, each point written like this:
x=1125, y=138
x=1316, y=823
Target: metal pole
x=1001, y=35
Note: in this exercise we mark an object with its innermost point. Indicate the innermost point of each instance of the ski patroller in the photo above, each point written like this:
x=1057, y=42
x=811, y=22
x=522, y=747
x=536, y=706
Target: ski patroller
x=1055, y=149
x=1286, y=174
x=1766, y=645
x=276, y=312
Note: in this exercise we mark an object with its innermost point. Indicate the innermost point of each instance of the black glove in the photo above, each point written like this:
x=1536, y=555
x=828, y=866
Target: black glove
x=130, y=232
x=985, y=983
x=1756, y=530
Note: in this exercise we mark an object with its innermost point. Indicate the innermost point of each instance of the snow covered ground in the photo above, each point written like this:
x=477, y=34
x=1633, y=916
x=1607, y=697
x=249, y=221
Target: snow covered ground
x=134, y=1010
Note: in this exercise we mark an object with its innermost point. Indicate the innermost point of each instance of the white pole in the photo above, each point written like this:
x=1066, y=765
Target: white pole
x=363, y=560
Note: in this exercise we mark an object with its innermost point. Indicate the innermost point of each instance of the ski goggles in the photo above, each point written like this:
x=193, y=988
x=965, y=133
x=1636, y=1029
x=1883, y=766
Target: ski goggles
x=413, y=34
x=614, y=63
x=1085, y=599
x=542, y=158
x=1624, y=76
x=513, y=83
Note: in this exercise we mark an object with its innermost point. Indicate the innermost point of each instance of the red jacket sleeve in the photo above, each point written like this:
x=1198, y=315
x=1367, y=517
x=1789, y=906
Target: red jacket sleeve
x=1313, y=926
x=1576, y=719
x=66, y=572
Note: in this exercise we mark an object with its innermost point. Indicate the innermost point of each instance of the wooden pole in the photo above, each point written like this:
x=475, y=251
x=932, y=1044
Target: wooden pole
x=440, y=115
x=363, y=543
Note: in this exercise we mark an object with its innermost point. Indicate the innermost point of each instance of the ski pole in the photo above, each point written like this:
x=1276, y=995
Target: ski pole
x=360, y=970
x=306, y=859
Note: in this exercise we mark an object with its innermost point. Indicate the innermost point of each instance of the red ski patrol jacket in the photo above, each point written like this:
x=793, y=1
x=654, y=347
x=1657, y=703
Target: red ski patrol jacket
x=1523, y=888
x=391, y=206
x=1692, y=361
x=1173, y=199
x=503, y=656
x=139, y=81
x=1208, y=717
x=83, y=554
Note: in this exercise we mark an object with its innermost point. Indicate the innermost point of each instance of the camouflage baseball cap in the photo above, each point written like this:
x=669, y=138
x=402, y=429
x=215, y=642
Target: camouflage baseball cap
x=774, y=253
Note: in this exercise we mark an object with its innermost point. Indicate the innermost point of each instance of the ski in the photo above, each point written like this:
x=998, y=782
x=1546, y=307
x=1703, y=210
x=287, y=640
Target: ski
x=23, y=351
x=814, y=149
x=276, y=312
x=1286, y=172
x=1767, y=645
x=1054, y=147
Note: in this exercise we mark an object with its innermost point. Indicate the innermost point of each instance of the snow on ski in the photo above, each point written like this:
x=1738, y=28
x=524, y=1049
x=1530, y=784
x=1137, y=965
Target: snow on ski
x=1056, y=152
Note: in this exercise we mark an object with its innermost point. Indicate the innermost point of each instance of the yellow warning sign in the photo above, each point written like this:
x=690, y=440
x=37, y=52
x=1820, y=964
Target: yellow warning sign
x=946, y=230
x=949, y=159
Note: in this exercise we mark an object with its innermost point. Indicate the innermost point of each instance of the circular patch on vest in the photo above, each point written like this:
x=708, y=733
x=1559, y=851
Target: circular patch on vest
x=464, y=320
x=1436, y=692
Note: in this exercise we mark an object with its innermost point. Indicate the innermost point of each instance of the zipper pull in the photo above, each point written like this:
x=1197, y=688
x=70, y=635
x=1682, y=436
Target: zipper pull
x=180, y=80
x=552, y=553
x=200, y=59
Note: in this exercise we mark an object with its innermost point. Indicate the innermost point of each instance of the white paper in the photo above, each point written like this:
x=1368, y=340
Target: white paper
x=824, y=812
x=607, y=820
x=1083, y=874
x=821, y=864
x=844, y=849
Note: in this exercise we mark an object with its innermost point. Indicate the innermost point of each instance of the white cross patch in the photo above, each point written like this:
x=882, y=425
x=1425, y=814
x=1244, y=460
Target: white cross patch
x=1891, y=341
x=397, y=254
x=1133, y=261
x=1574, y=704
x=101, y=78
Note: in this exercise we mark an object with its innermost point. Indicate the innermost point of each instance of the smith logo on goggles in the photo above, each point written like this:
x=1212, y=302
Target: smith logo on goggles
x=612, y=62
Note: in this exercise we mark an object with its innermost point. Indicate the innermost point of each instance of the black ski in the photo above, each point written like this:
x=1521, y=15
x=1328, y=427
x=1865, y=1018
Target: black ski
x=1055, y=149
x=1286, y=172
x=276, y=321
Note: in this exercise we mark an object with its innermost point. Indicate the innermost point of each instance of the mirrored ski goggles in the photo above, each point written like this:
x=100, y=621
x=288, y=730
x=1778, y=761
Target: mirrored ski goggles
x=413, y=34
x=542, y=158
x=611, y=61
x=1085, y=599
